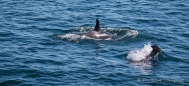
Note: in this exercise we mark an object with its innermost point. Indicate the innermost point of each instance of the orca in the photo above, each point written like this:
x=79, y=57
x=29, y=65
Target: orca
x=97, y=33
x=155, y=51
x=146, y=54
x=149, y=60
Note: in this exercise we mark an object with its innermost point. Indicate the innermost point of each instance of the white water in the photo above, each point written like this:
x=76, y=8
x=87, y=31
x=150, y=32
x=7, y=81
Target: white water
x=71, y=37
x=140, y=54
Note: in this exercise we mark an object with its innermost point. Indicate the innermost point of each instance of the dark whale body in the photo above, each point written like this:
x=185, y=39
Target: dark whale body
x=155, y=51
x=98, y=34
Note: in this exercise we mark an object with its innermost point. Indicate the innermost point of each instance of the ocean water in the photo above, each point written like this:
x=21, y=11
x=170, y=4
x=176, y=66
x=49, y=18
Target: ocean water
x=40, y=45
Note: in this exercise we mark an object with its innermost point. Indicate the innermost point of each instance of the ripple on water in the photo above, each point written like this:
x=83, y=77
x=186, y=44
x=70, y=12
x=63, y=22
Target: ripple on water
x=10, y=82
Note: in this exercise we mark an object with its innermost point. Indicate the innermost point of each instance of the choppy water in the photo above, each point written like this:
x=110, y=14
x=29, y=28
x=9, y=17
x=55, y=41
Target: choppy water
x=39, y=46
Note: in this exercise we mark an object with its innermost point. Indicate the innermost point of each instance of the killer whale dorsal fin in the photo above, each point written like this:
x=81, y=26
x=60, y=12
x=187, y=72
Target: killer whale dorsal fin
x=97, y=26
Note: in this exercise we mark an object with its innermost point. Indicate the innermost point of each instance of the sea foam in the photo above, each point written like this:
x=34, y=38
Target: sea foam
x=140, y=54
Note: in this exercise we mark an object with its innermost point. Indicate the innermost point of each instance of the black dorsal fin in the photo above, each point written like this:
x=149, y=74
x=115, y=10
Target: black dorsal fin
x=97, y=26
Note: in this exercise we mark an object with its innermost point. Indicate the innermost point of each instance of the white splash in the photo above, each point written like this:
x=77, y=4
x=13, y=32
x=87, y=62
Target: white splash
x=129, y=33
x=71, y=37
x=132, y=33
x=140, y=54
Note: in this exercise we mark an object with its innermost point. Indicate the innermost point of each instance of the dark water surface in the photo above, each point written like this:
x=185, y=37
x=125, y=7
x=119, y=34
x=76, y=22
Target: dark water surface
x=32, y=55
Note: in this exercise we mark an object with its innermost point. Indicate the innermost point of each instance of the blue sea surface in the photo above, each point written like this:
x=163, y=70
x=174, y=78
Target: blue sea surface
x=33, y=52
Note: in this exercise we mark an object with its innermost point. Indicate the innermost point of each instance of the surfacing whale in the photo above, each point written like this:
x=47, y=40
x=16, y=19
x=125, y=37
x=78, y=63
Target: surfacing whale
x=148, y=61
x=145, y=54
x=97, y=33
